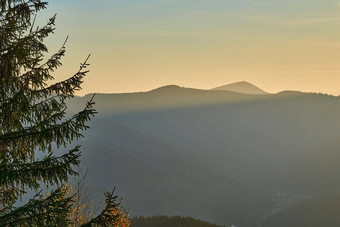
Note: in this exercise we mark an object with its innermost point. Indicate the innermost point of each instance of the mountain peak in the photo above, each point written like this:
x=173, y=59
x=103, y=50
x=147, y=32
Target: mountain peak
x=167, y=88
x=242, y=87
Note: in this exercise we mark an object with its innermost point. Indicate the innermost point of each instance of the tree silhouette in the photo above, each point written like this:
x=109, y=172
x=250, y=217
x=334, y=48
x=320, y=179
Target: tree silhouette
x=33, y=119
x=84, y=212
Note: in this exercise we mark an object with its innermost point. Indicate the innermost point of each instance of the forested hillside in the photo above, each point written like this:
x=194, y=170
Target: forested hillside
x=166, y=221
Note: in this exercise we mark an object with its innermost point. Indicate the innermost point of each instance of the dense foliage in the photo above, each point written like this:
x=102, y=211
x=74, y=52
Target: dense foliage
x=166, y=221
x=33, y=122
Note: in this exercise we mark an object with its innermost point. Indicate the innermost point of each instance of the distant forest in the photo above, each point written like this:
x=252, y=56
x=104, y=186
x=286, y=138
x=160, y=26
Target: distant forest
x=166, y=221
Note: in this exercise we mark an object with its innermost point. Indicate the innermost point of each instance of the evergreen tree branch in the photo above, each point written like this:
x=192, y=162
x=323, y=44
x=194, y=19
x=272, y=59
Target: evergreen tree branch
x=42, y=135
x=108, y=216
x=49, y=211
x=51, y=170
x=70, y=85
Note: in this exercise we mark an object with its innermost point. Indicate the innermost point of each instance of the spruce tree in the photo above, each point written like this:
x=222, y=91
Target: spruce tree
x=33, y=119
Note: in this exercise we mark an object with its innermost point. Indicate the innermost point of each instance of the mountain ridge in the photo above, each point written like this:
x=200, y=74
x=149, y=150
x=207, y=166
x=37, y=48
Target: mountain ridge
x=223, y=89
x=220, y=156
x=242, y=87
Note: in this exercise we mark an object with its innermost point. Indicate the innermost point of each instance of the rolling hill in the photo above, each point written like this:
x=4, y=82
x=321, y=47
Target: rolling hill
x=220, y=156
x=323, y=211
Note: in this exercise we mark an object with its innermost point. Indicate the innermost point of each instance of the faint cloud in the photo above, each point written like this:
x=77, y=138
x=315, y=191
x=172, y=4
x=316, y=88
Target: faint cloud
x=338, y=4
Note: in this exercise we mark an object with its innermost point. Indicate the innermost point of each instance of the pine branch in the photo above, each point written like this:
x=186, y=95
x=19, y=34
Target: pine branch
x=49, y=211
x=29, y=112
x=8, y=196
x=37, y=76
x=108, y=216
x=50, y=170
x=42, y=135
x=70, y=85
x=33, y=39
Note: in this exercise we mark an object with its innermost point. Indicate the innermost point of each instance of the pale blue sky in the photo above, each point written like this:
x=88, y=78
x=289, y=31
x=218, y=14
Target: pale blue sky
x=142, y=44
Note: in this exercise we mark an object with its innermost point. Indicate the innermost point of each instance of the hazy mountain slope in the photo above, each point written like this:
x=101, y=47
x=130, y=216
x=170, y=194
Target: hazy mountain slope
x=242, y=87
x=318, y=168
x=220, y=156
x=155, y=176
x=165, y=221
x=314, y=212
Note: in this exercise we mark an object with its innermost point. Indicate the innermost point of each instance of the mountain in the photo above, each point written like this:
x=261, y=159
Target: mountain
x=242, y=87
x=161, y=98
x=220, y=156
x=165, y=221
x=323, y=211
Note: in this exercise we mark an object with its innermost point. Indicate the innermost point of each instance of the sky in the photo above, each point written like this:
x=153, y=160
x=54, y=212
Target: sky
x=139, y=45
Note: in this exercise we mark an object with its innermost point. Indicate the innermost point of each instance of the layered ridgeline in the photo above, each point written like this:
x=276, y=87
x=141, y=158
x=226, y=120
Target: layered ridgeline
x=220, y=156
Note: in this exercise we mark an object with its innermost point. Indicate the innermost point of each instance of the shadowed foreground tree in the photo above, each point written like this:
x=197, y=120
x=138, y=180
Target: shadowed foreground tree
x=83, y=210
x=33, y=119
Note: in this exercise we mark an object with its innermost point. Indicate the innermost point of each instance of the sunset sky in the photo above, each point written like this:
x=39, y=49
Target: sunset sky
x=138, y=45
